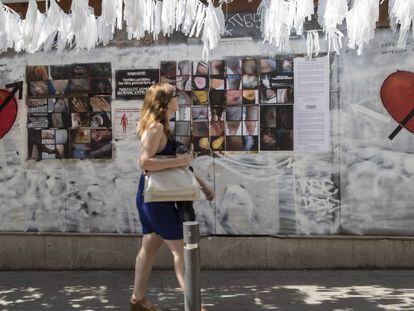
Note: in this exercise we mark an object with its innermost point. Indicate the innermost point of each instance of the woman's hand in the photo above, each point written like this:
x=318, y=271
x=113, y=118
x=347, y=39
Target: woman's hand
x=206, y=188
x=208, y=192
x=184, y=159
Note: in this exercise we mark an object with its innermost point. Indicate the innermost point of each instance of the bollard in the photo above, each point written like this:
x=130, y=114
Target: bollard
x=192, y=294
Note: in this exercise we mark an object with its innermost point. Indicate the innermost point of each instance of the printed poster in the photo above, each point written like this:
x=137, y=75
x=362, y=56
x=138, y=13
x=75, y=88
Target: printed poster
x=126, y=116
x=134, y=84
x=311, y=113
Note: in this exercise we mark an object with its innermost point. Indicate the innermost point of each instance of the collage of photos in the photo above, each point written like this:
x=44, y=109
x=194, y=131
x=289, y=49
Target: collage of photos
x=222, y=103
x=69, y=111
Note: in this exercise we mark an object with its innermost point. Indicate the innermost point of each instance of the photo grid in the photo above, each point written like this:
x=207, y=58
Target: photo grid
x=69, y=111
x=243, y=105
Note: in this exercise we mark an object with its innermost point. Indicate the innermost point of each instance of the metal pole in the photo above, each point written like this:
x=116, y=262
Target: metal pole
x=192, y=294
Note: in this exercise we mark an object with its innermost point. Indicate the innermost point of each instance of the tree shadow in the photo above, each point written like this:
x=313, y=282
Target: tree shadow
x=222, y=290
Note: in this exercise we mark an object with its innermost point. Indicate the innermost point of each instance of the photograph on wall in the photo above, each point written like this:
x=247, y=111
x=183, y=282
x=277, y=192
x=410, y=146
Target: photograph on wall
x=39, y=88
x=101, y=143
x=276, y=81
x=185, y=98
x=59, y=87
x=242, y=95
x=100, y=103
x=37, y=121
x=80, y=143
x=79, y=104
x=37, y=73
x=233, y=104
x=184, y=68
x=100, y=120
x=217, y=83
x=100, y=70
x=183, y=83
x=101, y=86
x=60, y=72
x=79, y=71
x=168, y=72
x=58, y=105
x=78, y=86
x=276, y=132
x=64, y=103
x=37, y=106
x=48, y=144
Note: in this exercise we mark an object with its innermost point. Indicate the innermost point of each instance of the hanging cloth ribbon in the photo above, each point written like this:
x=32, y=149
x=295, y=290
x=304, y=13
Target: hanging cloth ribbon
x=402, y=14
x=361, y=21
x=212, y=30
x=277, y=22
x=312, y=43
x=331, y=15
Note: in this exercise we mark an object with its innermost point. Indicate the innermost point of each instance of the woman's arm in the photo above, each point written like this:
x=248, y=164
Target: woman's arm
x=150, y=142
x=207, y=190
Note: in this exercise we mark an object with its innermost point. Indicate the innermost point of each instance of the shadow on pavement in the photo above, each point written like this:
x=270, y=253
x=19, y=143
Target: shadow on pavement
x=222, y=290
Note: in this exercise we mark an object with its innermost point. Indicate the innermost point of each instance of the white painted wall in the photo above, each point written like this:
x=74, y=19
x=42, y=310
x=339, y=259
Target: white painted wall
x=267, y=193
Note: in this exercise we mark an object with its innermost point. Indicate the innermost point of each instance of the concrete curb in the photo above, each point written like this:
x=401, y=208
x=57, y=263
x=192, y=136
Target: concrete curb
x=41, y=251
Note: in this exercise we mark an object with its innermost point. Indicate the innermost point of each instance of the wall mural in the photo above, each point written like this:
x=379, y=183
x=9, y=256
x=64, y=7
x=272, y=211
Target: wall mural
x=69, y=111
x=376, y=172
x=9, y=106
x=361, y=186
x=397, y=94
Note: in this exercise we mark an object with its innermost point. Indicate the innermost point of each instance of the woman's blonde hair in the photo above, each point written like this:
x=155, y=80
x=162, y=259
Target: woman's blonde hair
x=155, y=108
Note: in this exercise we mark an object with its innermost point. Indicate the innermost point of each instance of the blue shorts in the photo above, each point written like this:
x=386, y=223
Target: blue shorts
x=158, y=217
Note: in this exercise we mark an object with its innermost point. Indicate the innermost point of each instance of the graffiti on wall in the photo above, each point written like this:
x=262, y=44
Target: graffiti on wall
x=255, y=193
x=9, y=106
x=376, y=172
x=361, y=187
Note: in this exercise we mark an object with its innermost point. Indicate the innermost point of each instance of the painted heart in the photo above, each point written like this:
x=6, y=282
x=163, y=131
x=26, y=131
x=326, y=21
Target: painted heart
x=397, y=94
x=8, y=113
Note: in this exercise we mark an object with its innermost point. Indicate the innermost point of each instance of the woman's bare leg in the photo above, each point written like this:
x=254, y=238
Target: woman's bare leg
x=144, y=262
x=177, y=249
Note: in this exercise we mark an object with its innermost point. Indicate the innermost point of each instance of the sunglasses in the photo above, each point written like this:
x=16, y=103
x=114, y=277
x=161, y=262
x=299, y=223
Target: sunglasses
x=172, y=96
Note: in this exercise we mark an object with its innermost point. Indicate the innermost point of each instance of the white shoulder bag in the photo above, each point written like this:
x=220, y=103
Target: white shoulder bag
x=173, y=184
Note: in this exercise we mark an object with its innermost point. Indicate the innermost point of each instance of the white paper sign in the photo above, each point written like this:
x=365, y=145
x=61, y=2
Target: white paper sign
x=311, y=108
x=126, y=116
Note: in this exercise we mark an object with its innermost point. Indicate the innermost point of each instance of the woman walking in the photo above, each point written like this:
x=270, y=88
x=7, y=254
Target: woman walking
x=160, y=220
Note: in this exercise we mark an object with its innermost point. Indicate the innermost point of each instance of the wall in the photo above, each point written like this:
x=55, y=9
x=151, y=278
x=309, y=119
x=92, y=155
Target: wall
x=115, y=252
x=376, y=172
x=361, y=187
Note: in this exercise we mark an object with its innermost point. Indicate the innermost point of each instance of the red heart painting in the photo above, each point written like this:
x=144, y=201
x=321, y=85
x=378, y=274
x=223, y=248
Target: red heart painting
x=397, y=94
x=8, y=112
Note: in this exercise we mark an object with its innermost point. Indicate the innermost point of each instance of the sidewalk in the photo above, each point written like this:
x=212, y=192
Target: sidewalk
x=222, y=290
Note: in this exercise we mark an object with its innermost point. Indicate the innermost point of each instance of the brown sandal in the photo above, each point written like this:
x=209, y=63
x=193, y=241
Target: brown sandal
x=142, y=305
